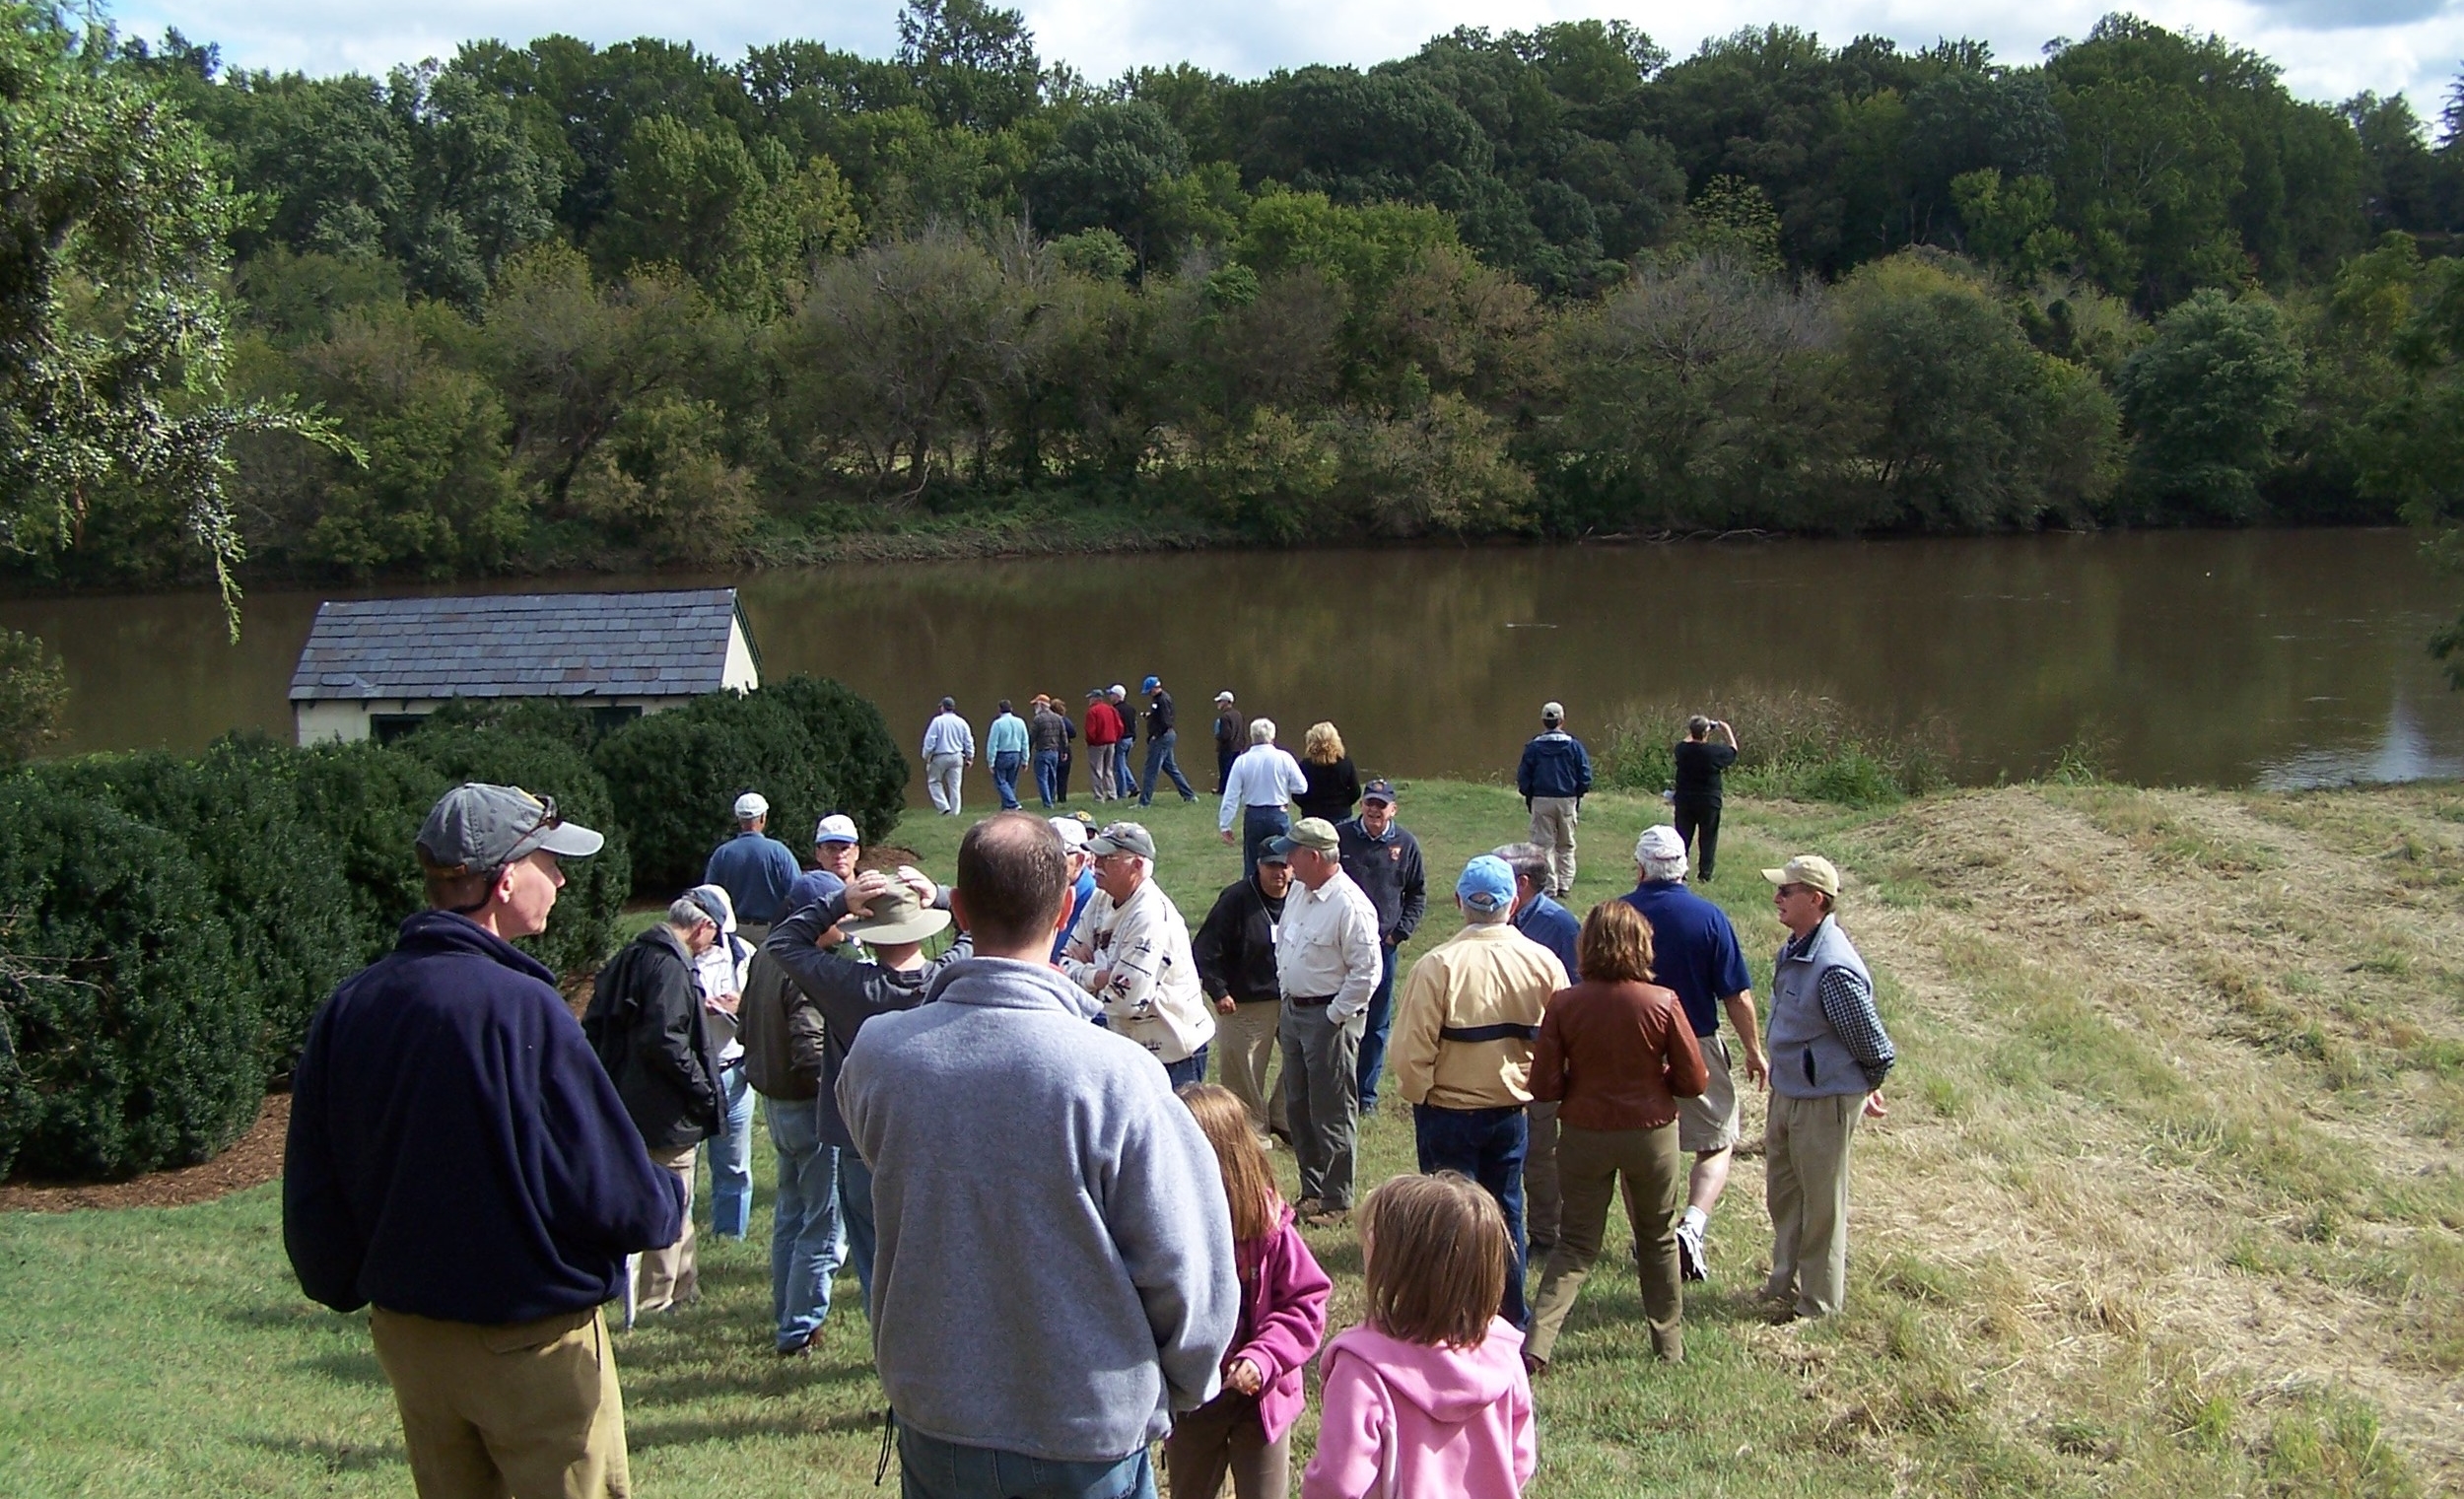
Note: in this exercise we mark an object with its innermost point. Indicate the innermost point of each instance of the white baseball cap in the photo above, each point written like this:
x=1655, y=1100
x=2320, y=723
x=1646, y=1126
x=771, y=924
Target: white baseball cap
x=837, y=828
x=1224, y=696
x=1661, y=843
x=750, y=805
x=1073, y=834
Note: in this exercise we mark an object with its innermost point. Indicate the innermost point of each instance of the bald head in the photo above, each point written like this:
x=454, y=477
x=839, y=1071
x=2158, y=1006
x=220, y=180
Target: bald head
x=1013, y=885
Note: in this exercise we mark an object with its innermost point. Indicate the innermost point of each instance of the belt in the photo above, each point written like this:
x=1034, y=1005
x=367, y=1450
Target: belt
x=1309, y=1001
x=1500, y=1032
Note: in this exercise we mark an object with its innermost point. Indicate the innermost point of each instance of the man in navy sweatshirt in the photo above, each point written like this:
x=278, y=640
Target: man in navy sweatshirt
x=460, y=1162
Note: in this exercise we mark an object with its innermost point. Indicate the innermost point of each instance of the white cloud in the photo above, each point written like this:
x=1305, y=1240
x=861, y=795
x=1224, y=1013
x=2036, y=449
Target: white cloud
x=2329, y=50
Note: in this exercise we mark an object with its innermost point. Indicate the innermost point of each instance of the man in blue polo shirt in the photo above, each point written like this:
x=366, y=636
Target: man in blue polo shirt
x=754, y=868
x=1694, y=952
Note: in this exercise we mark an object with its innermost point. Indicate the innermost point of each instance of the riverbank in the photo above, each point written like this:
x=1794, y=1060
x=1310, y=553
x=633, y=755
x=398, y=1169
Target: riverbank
x=2166, y=1203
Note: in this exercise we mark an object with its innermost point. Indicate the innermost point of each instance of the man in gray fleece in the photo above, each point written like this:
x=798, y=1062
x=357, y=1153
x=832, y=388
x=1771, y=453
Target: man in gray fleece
x=1054, y=1273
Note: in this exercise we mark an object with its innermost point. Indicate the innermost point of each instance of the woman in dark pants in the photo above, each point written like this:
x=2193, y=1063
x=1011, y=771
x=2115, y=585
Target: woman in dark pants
x=1333, y=784
x=1696, y=804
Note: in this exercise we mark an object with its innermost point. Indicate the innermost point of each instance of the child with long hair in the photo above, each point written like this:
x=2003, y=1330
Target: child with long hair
x=1246, y=1430
x=1427, y=1400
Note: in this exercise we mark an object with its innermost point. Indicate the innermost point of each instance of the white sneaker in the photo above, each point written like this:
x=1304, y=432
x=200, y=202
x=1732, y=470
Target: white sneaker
x=1692, y=1263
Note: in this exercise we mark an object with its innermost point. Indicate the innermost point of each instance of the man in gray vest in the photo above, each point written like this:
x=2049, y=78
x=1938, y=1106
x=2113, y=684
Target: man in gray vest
x=1829, y=1054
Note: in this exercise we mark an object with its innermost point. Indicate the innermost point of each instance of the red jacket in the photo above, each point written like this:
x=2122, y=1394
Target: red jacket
x=1103, y=724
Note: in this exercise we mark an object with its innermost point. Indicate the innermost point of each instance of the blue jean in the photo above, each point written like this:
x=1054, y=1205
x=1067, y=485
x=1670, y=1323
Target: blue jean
x=856, y=1217
x=730, y=1158
x=1048, y=775
x=1061, y=776
x=1159, y=761
x=805, y=1249
x=1005, y=768
x=1257, y=824
x=1190, y=1069
x=1486, y=1146
x=1381, y=1016
x=1125, y=784
x=931, y=1468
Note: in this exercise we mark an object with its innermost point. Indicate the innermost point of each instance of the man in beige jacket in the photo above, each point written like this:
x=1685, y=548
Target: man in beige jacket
x=1463, y=1048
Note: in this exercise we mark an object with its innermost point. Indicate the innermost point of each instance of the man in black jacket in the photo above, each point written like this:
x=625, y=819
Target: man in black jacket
x=1234, y=952
x=644, y=1021
x=459, y=1164
x=1162, y=734
x=892, y=917
x=1384, y=860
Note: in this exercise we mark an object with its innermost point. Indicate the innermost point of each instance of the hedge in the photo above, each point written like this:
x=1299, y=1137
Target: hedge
x=168, y=925
x=137, y=1031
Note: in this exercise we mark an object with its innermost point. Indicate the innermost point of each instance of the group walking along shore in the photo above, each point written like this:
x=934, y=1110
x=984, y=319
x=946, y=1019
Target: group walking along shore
x=1070, y=1243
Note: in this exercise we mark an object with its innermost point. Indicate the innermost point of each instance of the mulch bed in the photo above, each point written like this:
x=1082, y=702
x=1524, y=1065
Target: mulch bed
x=252, y=1162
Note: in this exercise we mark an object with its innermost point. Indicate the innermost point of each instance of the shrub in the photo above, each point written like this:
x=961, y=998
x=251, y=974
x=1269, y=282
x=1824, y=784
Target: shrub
x=370, y=800
x=676, y=776
x=583, y=933
x=276, y=876
x=136, y=1028
x=558, y=718
x=864, y=772
x=1790, y=744
x=34, y=689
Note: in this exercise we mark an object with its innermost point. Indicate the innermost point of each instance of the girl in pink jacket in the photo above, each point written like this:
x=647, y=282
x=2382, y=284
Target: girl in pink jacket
x=1246, y=1430
x=1427, y=1400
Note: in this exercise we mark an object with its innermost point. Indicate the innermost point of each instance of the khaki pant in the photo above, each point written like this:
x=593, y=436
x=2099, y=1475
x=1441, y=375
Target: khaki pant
x=1588, y=1164
x=1805, y=1169
x=1542, y=1205
x=1245, y=1046
x=527, y=1410
x=666, y=1277
x=1552, y=828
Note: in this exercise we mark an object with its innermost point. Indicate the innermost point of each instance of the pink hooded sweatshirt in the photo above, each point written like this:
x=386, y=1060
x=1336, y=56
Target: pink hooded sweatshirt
x=1283, y=1319
x=1408, y=1421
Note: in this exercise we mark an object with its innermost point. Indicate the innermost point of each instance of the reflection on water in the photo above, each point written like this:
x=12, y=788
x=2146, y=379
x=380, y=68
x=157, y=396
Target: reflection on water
x=2236, y=657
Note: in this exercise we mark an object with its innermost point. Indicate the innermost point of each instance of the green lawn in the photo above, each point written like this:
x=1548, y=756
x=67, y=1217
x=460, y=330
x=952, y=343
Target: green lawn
x=146, y=1351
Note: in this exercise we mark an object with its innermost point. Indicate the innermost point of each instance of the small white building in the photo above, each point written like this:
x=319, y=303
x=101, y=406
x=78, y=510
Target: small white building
x=374, y=667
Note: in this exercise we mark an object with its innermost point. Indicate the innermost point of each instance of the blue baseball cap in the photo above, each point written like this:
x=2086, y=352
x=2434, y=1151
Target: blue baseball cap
x=1150, y=684
x=1487, y=884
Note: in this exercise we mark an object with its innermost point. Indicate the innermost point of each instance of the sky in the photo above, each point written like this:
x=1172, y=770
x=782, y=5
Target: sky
x=2329, y=50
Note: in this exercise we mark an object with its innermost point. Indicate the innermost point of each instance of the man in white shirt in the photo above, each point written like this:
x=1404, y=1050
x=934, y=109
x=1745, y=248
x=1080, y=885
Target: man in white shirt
x=1130, y=950
x=1327, y=963
x=1259, y=791
x=949, y=747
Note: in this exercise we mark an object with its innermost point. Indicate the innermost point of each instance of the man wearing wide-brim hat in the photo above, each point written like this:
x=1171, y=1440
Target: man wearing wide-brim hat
x=1828, y=1053
x=427, y=1082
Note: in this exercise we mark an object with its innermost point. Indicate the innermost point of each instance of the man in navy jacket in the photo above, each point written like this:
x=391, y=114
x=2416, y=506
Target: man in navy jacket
x=460, y=1162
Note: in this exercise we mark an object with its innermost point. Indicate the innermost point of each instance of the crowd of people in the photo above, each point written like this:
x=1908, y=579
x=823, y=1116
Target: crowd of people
x=1071, y=1244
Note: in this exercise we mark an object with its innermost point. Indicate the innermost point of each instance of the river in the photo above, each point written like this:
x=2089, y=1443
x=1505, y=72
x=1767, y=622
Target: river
x=2222, y=658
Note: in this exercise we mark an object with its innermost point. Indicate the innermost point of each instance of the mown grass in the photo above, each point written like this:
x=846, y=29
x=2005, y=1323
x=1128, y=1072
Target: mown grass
x=169, y=1349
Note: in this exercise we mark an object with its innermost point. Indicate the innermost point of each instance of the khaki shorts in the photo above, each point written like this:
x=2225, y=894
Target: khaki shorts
x=1709, y=1122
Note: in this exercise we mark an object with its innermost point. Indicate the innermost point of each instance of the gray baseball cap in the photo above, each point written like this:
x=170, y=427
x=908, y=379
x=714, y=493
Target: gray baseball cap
x=1122, y=838
x=477, y=828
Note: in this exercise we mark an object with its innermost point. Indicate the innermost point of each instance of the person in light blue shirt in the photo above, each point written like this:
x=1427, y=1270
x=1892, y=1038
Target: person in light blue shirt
x=1007, y=742
x=754, y=868
x=949, y=747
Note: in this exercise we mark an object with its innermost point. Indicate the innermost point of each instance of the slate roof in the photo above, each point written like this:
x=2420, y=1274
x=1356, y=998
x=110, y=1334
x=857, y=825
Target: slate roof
x=518, y=646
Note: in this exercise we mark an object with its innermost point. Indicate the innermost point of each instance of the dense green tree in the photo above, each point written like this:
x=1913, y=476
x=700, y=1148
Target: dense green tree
x=1113, y=168
x=34, y=692
x=2206, y=400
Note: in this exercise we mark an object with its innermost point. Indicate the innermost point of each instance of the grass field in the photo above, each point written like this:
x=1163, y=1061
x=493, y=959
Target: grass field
x=2167, y=1203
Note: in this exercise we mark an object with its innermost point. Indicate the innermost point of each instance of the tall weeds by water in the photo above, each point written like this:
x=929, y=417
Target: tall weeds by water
x=1790, y=744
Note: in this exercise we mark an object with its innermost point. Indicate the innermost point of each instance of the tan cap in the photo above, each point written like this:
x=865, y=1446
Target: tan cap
x=1811, y=870
x=1315, y=834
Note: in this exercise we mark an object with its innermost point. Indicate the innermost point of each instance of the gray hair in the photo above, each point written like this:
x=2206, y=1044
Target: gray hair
x=685, y=913
x=1473, y=915
x=1661, y=868
x=1529, y=861
x=1262, y=730
x=1698, y=727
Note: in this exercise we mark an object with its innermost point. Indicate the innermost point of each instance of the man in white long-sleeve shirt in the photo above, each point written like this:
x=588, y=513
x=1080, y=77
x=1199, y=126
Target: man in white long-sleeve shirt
x=1260, y=791
x=949, y=747
x=1327, y=963
x=1130, y=950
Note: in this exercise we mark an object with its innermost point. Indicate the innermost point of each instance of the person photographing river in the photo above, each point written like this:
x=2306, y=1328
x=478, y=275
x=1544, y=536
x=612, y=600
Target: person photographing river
x=1694, y=801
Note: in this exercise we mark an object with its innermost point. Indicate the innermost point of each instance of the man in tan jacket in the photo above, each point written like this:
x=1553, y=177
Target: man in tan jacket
x=1463, y=1048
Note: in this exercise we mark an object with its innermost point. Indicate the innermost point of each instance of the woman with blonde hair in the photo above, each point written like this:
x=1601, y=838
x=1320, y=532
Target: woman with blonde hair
x=1333, y=784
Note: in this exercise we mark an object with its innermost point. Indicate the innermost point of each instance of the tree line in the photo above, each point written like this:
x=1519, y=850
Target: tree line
x=562, y=305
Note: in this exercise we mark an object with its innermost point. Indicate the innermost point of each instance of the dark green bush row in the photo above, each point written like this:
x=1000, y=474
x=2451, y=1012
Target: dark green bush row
x=168, y=925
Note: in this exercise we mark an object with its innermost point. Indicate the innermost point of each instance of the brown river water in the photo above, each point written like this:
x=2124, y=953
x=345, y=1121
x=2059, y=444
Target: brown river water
x=2223, y=657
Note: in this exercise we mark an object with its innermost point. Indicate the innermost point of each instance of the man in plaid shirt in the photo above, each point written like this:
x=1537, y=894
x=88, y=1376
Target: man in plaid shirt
x=1829, y=1054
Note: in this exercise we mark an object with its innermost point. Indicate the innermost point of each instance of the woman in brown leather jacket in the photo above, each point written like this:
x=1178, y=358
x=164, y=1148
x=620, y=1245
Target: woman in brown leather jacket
x=1615, y=1052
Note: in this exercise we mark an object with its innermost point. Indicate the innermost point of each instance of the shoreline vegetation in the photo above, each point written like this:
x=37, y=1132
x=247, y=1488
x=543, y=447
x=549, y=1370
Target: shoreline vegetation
x=2167, y=1205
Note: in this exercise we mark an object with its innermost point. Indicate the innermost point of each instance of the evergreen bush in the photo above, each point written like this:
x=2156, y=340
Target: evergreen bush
x=370, y=800
x=863, y=767
x=276, y=876
x=136, y=1027
x=582, y=931
x=676, y=776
